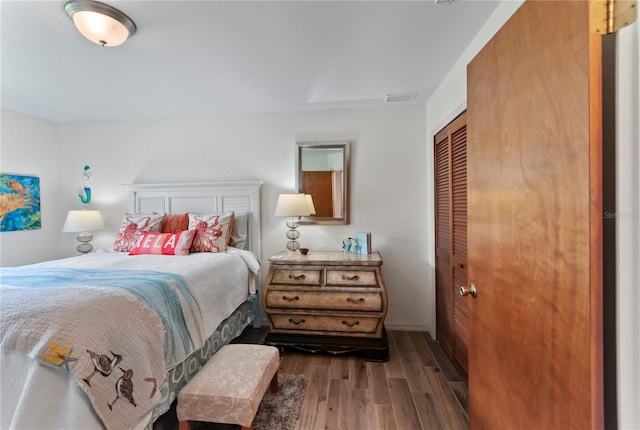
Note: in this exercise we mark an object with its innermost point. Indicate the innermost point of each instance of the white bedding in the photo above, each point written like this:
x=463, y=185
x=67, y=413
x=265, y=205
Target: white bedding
x=216, y=301
x=42, y=397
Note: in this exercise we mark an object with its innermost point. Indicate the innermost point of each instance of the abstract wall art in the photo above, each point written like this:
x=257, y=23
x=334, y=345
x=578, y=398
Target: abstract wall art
x=19, y=202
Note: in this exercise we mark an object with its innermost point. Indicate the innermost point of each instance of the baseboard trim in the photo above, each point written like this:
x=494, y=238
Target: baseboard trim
x=406, y=326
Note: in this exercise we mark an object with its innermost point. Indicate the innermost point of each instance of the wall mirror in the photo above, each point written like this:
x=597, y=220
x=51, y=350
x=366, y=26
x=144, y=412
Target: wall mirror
x=323, y=171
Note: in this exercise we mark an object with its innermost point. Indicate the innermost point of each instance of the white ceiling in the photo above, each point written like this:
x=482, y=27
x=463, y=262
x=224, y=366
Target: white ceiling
x=192, y=58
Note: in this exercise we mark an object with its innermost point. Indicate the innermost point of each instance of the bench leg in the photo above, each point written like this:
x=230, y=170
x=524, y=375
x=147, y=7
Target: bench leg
x=184, y=425
x=274, y=383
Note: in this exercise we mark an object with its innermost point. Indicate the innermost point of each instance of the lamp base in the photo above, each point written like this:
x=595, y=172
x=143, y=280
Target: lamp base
x=292, y=234
x=293, y=246
x=84, y=238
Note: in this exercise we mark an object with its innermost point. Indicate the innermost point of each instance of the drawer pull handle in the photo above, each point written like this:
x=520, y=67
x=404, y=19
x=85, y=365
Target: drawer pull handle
x=350, y=300
x=292, y=321
x=353, y=324
x=350, y=278
x=290, y=299
x=296, y=277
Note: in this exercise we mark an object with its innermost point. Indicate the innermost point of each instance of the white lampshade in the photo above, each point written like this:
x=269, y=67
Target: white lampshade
x=83, y=220
x=100, y=23
x=312, y=208
x=294, y=205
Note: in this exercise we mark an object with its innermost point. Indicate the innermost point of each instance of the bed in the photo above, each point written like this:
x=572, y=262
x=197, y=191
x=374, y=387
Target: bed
x=106, y=340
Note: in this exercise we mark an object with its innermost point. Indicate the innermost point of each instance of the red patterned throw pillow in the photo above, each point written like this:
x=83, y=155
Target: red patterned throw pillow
x=132, y=227
x=175, y=223
x=212, y=231
x=164, y=243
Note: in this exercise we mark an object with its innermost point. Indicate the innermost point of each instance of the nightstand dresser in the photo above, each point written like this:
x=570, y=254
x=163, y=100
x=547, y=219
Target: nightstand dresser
x=327, y=301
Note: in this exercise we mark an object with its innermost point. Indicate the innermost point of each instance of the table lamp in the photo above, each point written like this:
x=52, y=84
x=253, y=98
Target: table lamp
x=294, y=206
x=83, y=222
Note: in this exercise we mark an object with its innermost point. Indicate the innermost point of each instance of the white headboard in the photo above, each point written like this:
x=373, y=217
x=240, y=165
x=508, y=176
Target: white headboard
x=201, y=197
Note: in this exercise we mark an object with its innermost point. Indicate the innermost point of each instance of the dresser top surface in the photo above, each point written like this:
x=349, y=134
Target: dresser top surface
x=326, y=257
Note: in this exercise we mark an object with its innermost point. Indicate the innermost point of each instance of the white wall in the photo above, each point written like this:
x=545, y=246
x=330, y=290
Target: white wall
x=387, y=173
x=628, y=224
x=28, y=147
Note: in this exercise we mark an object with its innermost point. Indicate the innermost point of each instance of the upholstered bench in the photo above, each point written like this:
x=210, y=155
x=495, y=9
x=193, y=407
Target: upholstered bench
x=229, y=388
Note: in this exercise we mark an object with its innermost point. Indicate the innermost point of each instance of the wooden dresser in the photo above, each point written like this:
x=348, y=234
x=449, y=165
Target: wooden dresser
x=327, y=301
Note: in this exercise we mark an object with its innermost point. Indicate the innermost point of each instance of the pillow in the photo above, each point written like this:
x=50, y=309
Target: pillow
x=175, y=223
x=240, y=231
x=152, y=242
x=230, y=230
x=212, y=231
x=132, y=227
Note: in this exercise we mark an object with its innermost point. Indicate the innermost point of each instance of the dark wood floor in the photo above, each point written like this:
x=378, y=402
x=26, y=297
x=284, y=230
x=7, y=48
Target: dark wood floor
x=418, y=388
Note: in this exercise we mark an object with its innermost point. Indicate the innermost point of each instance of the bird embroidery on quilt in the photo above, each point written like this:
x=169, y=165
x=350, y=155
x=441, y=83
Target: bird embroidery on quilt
x=102, y=363
x=124, y=388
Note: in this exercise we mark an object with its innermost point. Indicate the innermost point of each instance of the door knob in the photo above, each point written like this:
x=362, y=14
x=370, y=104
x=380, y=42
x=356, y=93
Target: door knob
x=465, y=291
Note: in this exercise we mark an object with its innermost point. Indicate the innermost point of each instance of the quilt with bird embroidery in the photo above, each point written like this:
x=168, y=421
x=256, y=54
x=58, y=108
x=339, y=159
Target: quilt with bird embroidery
x=115, y=331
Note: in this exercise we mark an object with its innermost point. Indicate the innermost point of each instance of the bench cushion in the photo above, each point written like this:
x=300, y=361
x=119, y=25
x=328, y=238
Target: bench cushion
x=230, y=387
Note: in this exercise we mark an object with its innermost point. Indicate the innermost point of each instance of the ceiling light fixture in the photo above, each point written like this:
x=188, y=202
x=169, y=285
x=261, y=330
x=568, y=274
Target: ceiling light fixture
x=100, y=23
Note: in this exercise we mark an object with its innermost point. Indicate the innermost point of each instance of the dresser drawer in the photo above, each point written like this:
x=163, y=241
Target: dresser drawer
x=351, y=277
x=320, y=324
x=327, y=301
x=296, y=276
x=344, y=300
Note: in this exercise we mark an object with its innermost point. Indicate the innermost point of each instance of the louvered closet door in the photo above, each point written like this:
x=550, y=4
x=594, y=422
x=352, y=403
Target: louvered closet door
x=451, y=239
x=459, y=237
x=444, y=292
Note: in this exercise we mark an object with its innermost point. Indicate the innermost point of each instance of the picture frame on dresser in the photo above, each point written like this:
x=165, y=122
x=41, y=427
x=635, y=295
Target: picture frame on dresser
x=363, y=243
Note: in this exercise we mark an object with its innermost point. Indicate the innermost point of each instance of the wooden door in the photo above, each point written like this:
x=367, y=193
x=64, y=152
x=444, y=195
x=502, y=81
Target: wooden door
x=320, y=185
x=534, y=223
x=450, y=154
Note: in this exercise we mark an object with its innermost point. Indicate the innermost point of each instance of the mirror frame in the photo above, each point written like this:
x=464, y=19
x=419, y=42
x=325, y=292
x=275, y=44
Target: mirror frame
x=346, y=160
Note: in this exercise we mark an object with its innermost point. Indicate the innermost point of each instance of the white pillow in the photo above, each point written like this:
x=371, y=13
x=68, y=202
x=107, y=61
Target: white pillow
x=132, y=227
x=240, y=232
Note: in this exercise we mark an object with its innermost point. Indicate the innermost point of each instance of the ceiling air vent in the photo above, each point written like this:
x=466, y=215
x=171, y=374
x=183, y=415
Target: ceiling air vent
x=394, y=98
